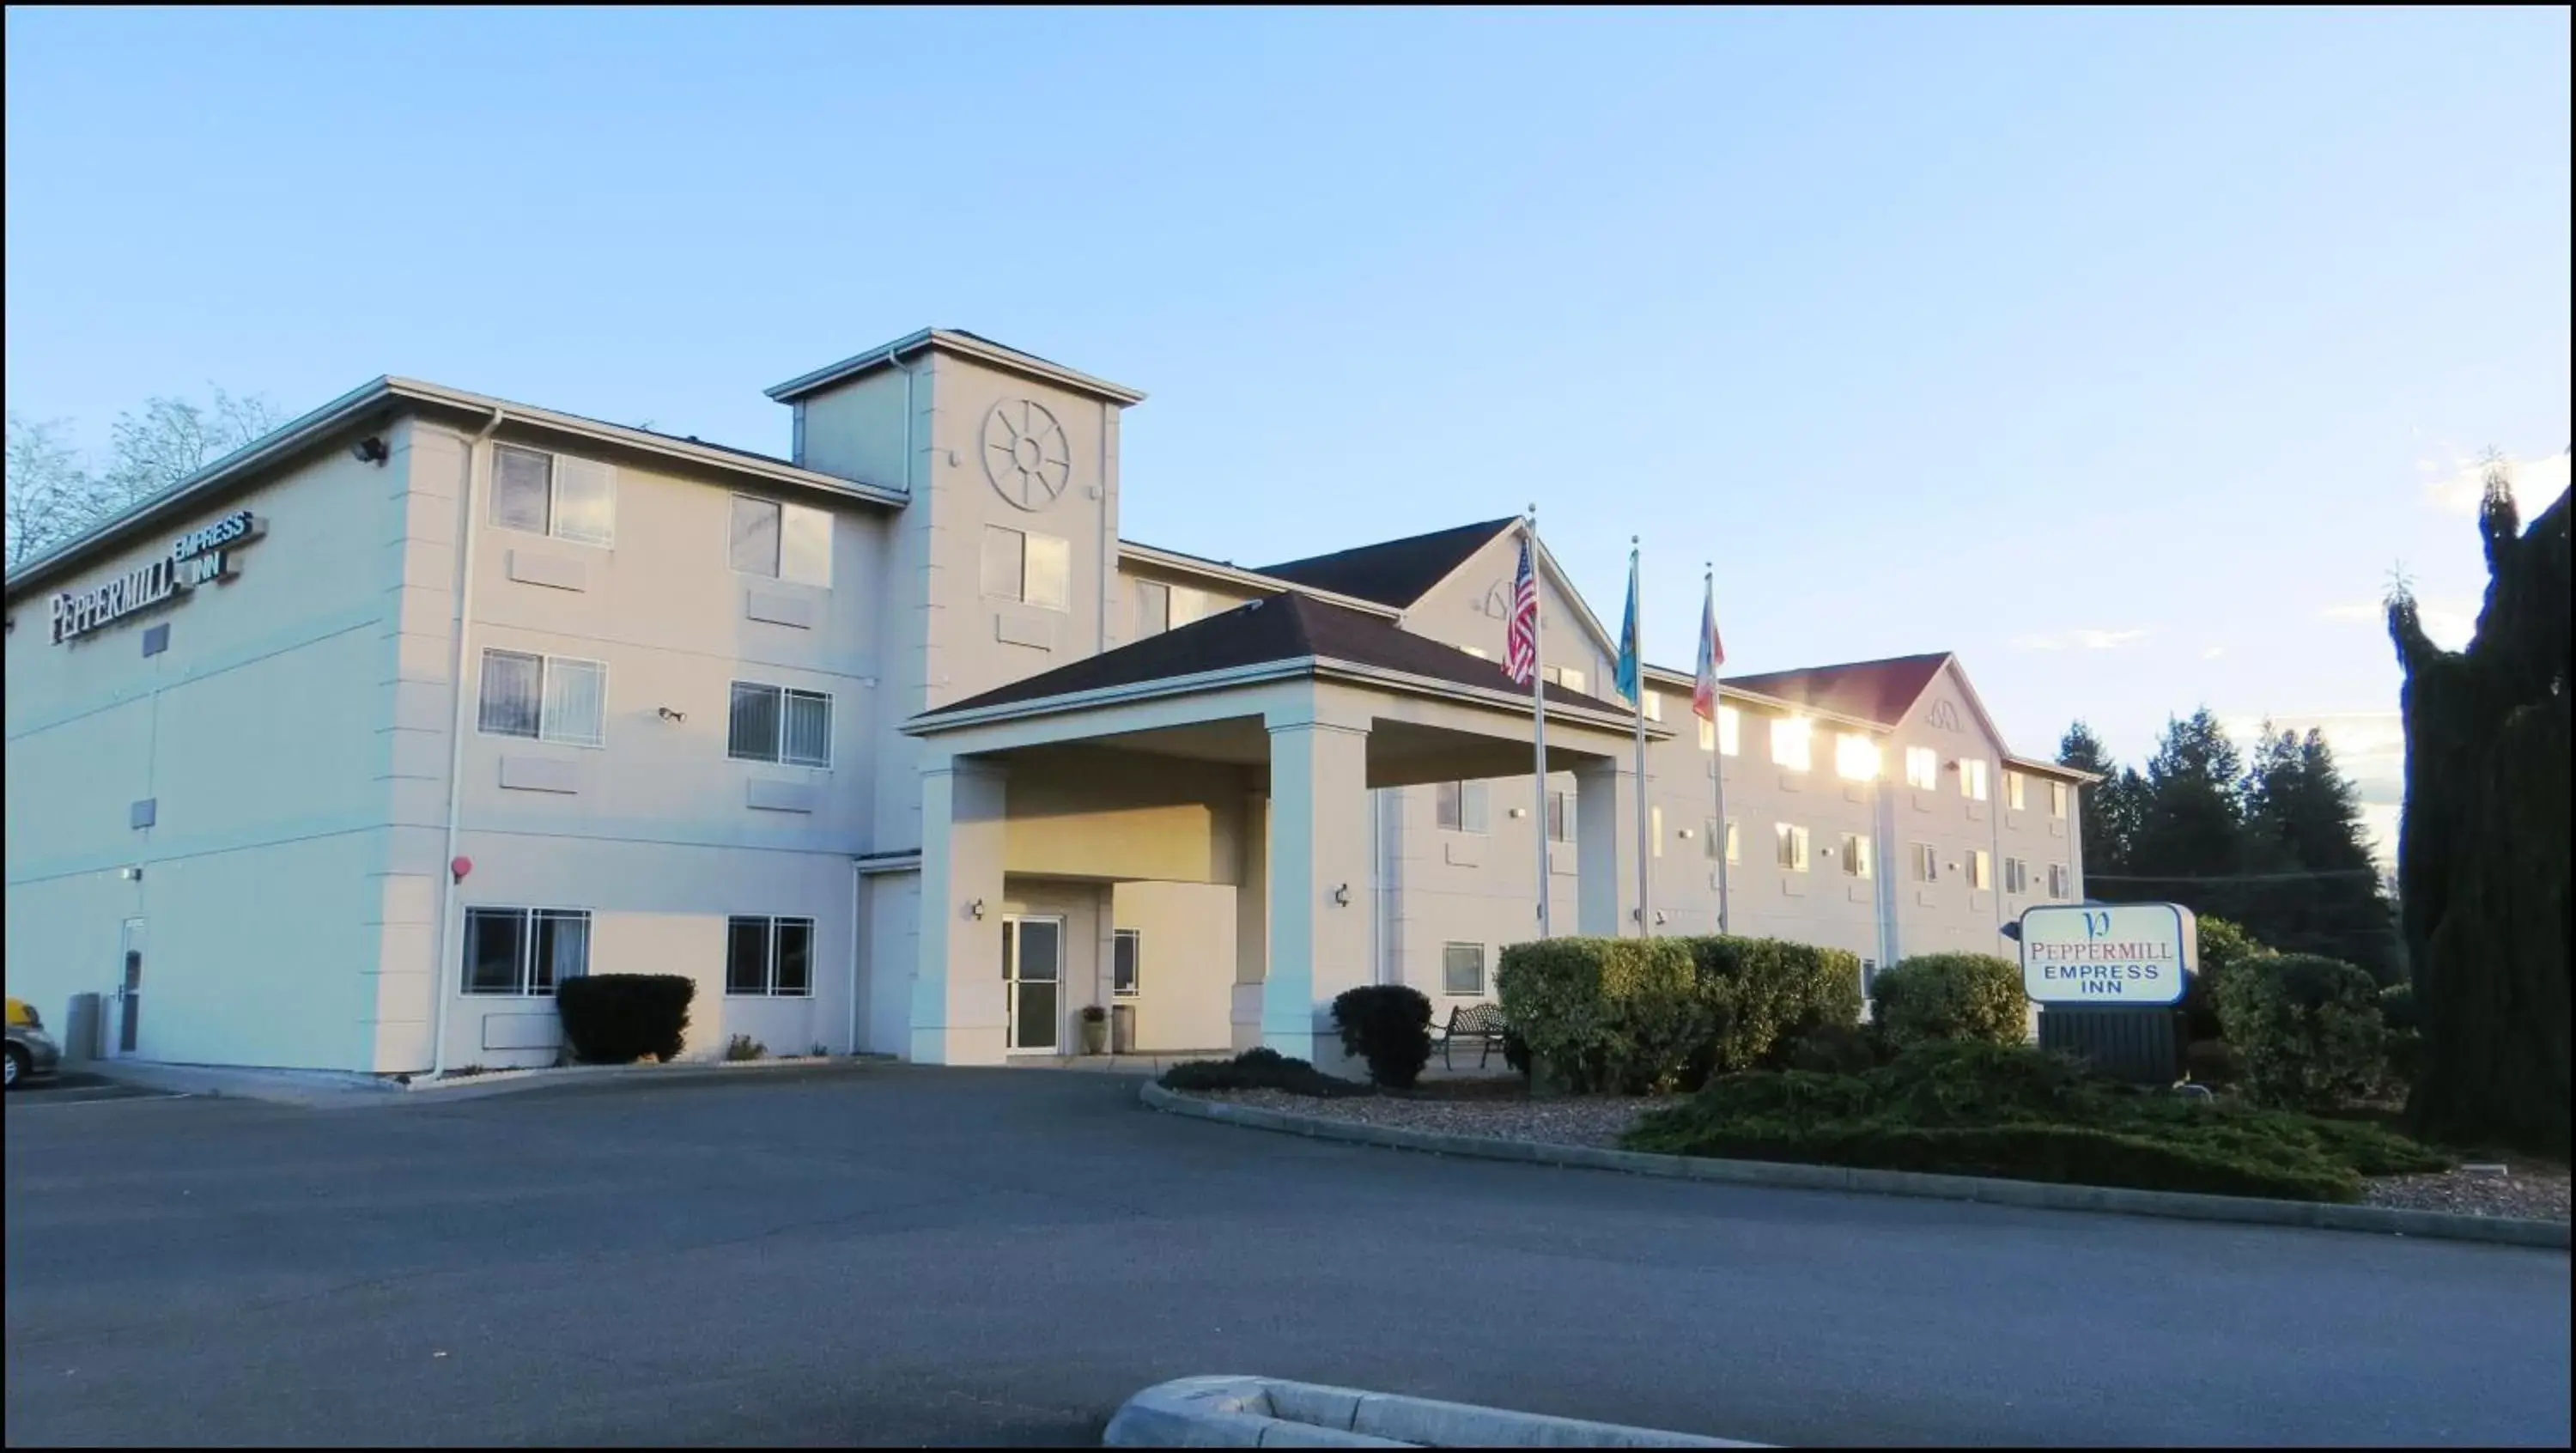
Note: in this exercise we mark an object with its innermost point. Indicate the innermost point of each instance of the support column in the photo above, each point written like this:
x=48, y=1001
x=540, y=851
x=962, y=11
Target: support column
x=957, y=992
x=1318, y=850
x=1251, y=922
x=1605, y=847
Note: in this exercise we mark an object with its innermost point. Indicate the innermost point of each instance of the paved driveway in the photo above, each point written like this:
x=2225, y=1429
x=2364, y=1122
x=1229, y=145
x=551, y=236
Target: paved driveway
x=900, y=1255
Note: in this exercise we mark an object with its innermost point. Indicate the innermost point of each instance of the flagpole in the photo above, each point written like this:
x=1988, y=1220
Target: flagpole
x=1645, y=815
x=1717, y=752
x=1538, y=713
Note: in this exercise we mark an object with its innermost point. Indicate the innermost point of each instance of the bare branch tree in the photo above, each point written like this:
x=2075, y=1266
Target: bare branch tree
x=53, y=497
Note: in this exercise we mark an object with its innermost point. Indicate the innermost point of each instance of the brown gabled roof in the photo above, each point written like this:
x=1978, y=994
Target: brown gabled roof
x=1392, y=572
x=1879, y=691
x=1275, y=628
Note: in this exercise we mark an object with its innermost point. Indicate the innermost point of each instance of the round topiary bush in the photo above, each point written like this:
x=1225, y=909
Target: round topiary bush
x=1950, y=996
x=1388, y=1025
x=2307, y=1030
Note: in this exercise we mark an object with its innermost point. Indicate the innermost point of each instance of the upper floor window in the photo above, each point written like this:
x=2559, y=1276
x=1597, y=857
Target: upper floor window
x=1922, y=767
x=2060, y=882
x=1855, y=757
x=549, y=698
x=782, y=541
x=779, y=724
x=769, y=956
x=1972, y=778
x=1653, y=702
x=1927, y=863
x=2016, y=789
x=1857, y=855
x=1160, y=607
x=1565, y=676
x=2057, y=799
x=554, y=494
x=1460, y=806
x=1791, y=744
x=1793, y=847
x=1725, y=736
x=1032, y=569
x=1734, y=846
x=1981, y=870
x=2016, y=876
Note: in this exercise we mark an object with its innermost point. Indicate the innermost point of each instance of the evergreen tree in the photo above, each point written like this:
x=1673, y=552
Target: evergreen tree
x=2189, y=841
x=2106, y=810
x=2310, y=884
x=2482, y=850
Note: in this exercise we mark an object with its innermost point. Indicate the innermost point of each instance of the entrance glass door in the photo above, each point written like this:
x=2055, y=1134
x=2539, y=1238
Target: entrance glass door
x=129, y=989
x=1033, y=980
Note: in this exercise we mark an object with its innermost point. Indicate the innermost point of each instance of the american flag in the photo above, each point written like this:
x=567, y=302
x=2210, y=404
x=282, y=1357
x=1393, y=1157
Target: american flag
x=1520, y=644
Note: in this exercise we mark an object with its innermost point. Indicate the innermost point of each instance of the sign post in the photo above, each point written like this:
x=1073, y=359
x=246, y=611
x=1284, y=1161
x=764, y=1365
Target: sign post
x=2108, y=979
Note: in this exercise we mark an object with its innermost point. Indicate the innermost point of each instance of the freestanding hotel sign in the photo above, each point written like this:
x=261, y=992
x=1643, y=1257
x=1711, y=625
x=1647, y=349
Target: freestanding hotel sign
x=2108, y=954
x=196, y=558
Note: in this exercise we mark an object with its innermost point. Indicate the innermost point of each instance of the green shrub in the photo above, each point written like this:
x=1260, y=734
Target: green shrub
x=2397, y=1009
x=1764, y=995
x=1950, y=996
x=1389, y=1025
x=1835, y=1049
x=1615, y=1014
x=743, y=1046
x=2306, y=1029
x=1970, y=1108
x=617, y=1019
x=1259, y=1069
x=2223, y=945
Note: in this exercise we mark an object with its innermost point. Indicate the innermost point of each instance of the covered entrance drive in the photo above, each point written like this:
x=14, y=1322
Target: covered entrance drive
x=1235, y=753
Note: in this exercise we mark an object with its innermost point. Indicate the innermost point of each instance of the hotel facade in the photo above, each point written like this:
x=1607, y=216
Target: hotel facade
x=342, y=753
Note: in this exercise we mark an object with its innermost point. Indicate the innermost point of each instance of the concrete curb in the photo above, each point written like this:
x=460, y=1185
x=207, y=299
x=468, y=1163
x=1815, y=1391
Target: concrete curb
x=1269, y=1412
x=342, y=1090
x=2037, y=1195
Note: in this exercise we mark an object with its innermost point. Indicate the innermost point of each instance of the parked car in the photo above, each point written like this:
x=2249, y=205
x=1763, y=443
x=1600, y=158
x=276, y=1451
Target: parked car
x=32, y=1052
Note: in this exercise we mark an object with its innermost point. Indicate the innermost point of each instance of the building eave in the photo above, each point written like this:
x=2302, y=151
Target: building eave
x=965, y=345
x=1205, y=569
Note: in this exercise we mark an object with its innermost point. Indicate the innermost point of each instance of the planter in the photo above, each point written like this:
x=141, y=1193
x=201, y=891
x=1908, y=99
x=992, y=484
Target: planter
x=1094, y=1026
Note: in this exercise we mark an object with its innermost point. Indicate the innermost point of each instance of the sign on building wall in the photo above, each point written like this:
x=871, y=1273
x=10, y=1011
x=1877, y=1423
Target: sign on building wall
x=2108, y=953
x=199, y=557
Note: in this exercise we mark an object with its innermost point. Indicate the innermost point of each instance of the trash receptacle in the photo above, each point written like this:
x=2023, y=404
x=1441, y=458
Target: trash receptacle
x=1122, y=1029
x=81, y=1030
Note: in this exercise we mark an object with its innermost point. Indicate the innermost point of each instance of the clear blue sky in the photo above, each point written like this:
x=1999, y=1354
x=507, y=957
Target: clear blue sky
x=2122, y=353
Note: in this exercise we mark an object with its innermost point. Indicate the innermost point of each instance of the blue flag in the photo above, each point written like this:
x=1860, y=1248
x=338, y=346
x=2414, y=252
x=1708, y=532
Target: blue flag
x=1627, y=682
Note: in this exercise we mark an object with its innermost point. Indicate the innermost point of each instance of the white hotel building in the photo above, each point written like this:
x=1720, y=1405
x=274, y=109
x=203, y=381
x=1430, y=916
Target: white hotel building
x=341, y=753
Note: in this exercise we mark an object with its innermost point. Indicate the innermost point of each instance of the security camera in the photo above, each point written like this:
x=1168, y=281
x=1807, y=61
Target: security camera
x=371, y=450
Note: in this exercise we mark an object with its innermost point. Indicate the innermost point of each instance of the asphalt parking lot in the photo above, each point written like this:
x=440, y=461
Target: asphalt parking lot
x=898, y=1255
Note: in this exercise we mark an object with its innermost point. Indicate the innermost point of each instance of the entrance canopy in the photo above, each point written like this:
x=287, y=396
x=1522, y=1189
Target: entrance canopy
x=1237, y=749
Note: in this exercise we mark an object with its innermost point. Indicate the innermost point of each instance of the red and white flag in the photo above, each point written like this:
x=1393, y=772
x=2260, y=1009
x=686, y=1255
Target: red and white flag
x=1520, y=642
x=1712, y=654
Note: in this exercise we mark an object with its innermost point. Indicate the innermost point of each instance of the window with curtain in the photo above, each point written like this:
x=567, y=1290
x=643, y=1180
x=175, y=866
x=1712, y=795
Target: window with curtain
x=1922, y=768
x=1153, y=608
x=1460, y=806
x=779, y=724
x=524, y=950
x=2016, y=788
x=1856, y=856
x=1981, y=870
x=2016, y=876
x=1793, y=847
x=2059, y=880
x=1035, y=570
x=1732, y=846
x=554, y=494
x=547, y=698
x=2057, y=799
x=1927, y=863
x=782, y=541
x=1855, y=757
x=1792, y=744
x=769, y=956
x=1972, y=778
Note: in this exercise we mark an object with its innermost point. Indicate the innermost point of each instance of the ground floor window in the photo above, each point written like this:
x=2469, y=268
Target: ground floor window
x=524, y=950
x=769, y=956
x=1462, y=968
x=1126, y=962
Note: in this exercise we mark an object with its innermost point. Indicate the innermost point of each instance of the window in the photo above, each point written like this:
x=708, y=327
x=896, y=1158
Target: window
x=2059, y=884
x=1725, y=736
x=1126, y=963
x=1560, y=817
x=1654, y=703
x=553, y=494
x=1927, y=863
x=1790, y=744
x=2057, y=799
x=1160, y=607
x=779, y=724
x=1981, y=870
x=1734, y=849
x=1462, y=968
x=1033, y=569
x=1856, y=855
x=1922, y=768
x=1655, y=830
x=1793, y=847
x=1461, y=806
x=1855, y=757
x=2016, y=876
x=782, y=541
x=549, y=698
x=2016, y=789
x=1972, y=778
x=773, y=956
x=1565, y=676
x=524, y=950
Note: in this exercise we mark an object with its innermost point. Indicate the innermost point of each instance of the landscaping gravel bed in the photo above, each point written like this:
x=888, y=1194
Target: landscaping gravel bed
x=2536, y=1194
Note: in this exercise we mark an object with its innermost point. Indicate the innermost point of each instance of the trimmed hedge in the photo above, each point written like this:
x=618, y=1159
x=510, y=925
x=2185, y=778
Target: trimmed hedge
x=1767, y=994
x=1605, y=1014
x=2306, y=1028
x=617, y=1019
x=2224, y=945
x=1934, y=997
x=1389, y=1025
x=1259, y=1069
x=1969, y=1108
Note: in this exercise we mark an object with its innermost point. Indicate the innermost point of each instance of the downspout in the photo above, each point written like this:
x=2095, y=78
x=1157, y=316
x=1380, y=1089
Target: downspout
x=478, y=463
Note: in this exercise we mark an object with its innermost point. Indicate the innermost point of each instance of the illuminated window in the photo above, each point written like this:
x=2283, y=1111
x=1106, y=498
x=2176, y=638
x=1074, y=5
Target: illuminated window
x=1981, y=870
x=2016, y=789
x=1856, y=757
x=1793, y=847
x=1790, y=744
x=1856, y=855
x=2057, y=799
x=1972, y=778
x=1922, y=767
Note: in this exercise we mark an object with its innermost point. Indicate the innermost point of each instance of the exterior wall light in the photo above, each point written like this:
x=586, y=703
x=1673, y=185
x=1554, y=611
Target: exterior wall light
x=975, y=910
x=667, y=714
x=1342, y=895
